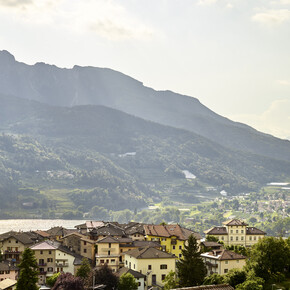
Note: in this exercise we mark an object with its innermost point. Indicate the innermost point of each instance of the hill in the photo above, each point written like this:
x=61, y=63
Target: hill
x=99, y=86
x=98, y=156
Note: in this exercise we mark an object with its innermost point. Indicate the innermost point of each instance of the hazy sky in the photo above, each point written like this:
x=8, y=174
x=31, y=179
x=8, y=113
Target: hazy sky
x=233, y=55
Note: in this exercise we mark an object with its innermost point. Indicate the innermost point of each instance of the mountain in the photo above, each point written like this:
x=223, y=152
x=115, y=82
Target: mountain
x=100, y=86
x=95, y=156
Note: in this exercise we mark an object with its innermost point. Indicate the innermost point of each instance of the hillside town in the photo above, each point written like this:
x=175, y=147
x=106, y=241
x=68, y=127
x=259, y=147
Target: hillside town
x=149, y=253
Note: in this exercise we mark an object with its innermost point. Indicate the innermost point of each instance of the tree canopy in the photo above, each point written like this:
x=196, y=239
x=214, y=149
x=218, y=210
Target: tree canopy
x=127, y=282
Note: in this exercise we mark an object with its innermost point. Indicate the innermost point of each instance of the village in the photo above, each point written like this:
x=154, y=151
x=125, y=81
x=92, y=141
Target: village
x=148, y=252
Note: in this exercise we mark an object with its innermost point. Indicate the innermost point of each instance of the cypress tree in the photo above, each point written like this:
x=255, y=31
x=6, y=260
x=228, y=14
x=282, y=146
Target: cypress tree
x=191, y=268
x=28, y=276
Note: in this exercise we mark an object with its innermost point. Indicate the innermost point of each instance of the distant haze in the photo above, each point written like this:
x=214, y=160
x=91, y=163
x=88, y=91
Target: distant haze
x=233, y=55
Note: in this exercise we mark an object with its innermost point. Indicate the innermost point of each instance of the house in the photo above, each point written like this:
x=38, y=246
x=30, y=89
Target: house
x=221, y=261
x=56, y=233
x=172, y=238
x=89, y=226
x=52, y=257
x=109, y=229
x=236, y=232
x=153, y=263
x=14, y=243
x=208, y=246
x=135, y=231
x=79, y=244
x=8, y=271
x=140, y=278
x=8, y=284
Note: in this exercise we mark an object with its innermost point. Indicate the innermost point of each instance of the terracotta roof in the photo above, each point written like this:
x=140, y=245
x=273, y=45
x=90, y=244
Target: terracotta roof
x=223, y=255
x=125, y=270
x=149, y=253
x=235, y=222
x=42, y=233
x=217, y=231
x=208, y=287
x=254, y=231
x=169, y=231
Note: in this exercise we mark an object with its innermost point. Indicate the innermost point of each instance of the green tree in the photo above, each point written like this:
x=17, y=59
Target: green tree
x=191, y=268
x=84, y=270
x=28, y=276
x=235, y=277
x=213, y=279
x=170, y=281
x=127, y=282
x=67, y=281
x=50, y=281
x=210, y=238
x=252, y=282
x=269, y=256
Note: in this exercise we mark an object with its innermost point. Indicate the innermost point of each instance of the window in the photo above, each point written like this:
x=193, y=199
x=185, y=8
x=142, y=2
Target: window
x=41, y=252
x=163, y=248
x=163, y=266
x=180, y=255
x=242, y=231
x=250, y=238
x=255, y=238
x=242, y=238
x=222, y=238
x=226, y=262
x=103, y=261
x=237, y=238
x=126, y=262
x=173, y=247
x=113, y=261
x=180, y=247
x=231, y=238
x=163, y=277
x=85, y=243
x=49, y=269
x=49, y=260
x=49, y=252
x=109, y=253
x=16, y=242
x=237, y=231
x=164, y=239
x=231, y=231
x=226, y=270
x=149, y=267
x=7, y=272
x=110, y=245
x=9, y=241
x=133, y=266
x=85, y=250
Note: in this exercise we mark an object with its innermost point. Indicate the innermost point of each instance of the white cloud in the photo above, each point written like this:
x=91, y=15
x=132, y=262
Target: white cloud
x=206, y=2
x=272, y=17
x=107, y=19
x=283, y=82
x=275, y=120
x=15, y=3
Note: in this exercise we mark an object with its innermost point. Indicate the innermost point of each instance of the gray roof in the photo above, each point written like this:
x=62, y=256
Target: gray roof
x=149, y=253
x=125, y=270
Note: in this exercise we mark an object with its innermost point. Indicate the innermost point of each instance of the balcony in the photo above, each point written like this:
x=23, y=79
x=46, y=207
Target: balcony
x=211, y=264
x=42, y=264
x=12, y=252
x=61, y=264
x=42, y=273
x=173, y=242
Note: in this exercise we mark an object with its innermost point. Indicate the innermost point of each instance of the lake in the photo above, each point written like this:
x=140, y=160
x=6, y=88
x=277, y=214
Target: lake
x=35, y=224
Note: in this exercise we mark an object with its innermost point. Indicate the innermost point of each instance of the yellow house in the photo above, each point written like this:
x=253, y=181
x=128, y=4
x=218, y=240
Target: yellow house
x=221, y=261
x=153, y=263
x=172, y=238
x=236, y=232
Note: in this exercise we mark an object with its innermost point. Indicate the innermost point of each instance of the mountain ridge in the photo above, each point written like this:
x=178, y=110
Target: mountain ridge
x=101, y=86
